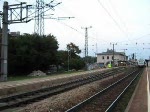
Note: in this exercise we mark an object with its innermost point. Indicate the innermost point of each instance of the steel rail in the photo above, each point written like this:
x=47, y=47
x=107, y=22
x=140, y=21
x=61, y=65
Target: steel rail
x=79, y=105
x=28, y=97
x=109, y=109
x=54, y=87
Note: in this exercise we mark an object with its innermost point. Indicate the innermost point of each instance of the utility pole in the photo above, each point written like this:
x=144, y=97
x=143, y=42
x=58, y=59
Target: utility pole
x=96, y=49
x=113, y=56
x=135, y=56
x=0, y=22
x=124, y=54
x=15, y=17
x=4, y=49
x=19, y=13
x=69, y=56
x=86, y=41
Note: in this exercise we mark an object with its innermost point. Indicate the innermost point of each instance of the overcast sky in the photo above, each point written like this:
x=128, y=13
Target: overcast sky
x=125, y=23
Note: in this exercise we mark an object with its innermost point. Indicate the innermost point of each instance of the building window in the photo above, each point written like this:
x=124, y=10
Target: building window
x=107, y=57
x=112, y=57
x=103, y=57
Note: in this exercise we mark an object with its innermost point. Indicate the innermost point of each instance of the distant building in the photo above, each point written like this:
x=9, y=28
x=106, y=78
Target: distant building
x=147, y=62
x=105, y=58
x=14, y=34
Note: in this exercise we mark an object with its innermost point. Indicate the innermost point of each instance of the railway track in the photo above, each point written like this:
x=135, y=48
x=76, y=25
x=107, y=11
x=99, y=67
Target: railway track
x=29, y=97
x=106, y=99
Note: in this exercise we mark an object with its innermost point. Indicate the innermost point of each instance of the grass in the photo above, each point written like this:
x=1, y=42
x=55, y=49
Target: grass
x=24, y=77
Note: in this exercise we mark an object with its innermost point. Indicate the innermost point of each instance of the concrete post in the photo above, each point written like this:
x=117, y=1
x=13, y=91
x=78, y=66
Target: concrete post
x=4, y=47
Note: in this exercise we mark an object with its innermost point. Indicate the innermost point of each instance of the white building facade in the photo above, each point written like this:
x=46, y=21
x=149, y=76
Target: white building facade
x=104, y=58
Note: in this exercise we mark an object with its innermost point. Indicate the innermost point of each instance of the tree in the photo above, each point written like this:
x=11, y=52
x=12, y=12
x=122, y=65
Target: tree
x=31, y=52
x=73, y=50
x=90, y=59
x=71, y=57
x=62, y=57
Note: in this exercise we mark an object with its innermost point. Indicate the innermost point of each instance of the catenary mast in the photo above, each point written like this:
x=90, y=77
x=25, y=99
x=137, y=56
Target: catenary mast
x=39, y=18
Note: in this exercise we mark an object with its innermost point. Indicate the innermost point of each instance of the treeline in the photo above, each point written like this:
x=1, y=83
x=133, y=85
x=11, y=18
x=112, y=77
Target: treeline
x=30, y=52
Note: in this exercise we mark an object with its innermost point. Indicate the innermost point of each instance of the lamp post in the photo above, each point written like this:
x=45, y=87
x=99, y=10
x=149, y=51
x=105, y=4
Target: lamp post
x=93, y=53
x=68, y=60
x=69, y=55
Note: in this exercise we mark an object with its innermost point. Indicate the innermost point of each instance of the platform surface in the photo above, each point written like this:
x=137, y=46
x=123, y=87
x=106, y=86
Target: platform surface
x=140, y=101
x=10, y=84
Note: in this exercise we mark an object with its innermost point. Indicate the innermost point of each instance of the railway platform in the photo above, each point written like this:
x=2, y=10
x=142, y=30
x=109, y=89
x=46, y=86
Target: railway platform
x=140, y=101
x=12, y=87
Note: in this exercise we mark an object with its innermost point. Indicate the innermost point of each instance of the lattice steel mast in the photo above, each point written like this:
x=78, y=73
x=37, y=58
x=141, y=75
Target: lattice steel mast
x=39, y=17
x=86, y=40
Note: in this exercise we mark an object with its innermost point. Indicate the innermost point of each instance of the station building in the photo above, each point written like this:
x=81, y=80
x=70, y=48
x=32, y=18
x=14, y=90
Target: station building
x=105, y=58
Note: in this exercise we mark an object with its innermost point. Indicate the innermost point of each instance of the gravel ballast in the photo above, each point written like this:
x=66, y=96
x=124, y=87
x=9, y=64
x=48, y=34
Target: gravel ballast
x=63, y=101
x=14, y=87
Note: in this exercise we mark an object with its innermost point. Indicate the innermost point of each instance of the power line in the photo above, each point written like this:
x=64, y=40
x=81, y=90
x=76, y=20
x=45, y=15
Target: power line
x=78, y=22
x=136, y=38
x=70, y=27
x=118, y=15
x=116, y=23
x=40, y=15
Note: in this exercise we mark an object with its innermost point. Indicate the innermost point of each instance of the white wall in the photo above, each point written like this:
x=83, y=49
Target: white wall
x=148, y=63
x=105, y=60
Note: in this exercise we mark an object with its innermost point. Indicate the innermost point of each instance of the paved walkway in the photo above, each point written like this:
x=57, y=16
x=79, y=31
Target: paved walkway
x=140, y=101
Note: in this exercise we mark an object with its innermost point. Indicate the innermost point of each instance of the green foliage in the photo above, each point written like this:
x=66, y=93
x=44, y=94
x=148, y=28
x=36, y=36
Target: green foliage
x=73, y=48
x=31, y=52
x=75, y=61
x=62, y=56
x=77, y=64
x=90, y=59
